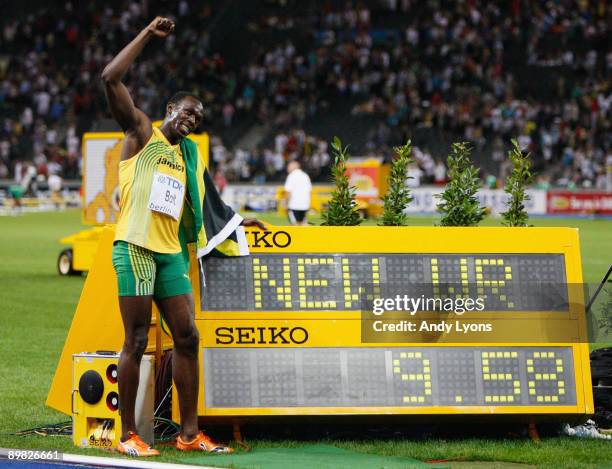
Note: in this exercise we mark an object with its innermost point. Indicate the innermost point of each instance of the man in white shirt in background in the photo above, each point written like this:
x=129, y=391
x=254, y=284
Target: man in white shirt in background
x=414, y=175
x=298, y=188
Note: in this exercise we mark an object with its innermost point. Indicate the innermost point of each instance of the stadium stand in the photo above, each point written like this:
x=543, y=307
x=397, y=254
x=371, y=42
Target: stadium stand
x=373, y=72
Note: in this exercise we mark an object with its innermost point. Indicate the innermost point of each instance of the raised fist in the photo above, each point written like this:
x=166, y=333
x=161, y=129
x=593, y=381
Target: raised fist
x=161, y=27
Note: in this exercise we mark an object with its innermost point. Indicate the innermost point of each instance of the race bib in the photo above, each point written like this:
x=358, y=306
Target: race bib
x=167, y=194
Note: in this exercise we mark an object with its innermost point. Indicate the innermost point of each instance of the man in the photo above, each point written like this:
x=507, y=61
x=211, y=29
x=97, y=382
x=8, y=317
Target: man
x=158, y=186
x=298, y=188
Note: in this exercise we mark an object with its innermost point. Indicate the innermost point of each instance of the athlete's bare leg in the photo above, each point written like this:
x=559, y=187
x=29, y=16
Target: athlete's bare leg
x=179, y=313
x=136, y=315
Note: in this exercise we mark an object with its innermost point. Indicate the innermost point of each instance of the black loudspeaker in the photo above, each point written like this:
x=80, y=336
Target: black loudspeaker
x=91, y=387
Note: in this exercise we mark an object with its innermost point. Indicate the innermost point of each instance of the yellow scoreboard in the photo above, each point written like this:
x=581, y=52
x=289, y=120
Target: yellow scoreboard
x=292, y=329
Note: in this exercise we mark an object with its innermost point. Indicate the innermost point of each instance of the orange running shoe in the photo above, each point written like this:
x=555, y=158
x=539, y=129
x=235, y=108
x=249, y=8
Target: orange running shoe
x=202, y=443
x=134, y=446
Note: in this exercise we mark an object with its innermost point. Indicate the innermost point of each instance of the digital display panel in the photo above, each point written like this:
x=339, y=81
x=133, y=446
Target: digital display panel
x=388, y=377
x=527, y=357
x=332, y=282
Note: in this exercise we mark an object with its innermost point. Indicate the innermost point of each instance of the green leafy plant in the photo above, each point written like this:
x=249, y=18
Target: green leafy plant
x=342, y=208
x=459, y=205
x=398, y=195
x=517, y=182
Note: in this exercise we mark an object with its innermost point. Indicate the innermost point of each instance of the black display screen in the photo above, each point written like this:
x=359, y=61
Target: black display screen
x=397, y=376
x=339, y=282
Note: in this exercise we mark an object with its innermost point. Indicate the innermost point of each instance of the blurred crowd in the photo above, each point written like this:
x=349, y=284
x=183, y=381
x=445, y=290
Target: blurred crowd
x=454, y=69
x=260, y=166
x=475, y=70
x=270, y=164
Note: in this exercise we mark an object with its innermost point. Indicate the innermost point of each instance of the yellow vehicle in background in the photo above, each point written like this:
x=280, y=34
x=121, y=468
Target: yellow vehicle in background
x=79, y=257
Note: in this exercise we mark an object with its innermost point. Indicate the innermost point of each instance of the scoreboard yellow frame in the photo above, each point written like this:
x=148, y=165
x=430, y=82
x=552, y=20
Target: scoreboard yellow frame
x=324, y=326
x=97, y=322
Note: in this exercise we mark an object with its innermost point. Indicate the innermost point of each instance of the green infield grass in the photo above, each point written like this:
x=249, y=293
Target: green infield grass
x=37, y=307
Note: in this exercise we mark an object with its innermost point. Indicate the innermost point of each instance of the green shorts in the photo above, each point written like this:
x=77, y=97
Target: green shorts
x=141, y=272
x=16, y=191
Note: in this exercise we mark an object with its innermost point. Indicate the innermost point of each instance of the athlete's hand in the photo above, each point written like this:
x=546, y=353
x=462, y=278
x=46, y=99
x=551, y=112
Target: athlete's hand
x=161, y=27
x=253, y=222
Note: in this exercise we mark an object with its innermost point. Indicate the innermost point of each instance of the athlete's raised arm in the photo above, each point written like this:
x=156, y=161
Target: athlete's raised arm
x=132, y=120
